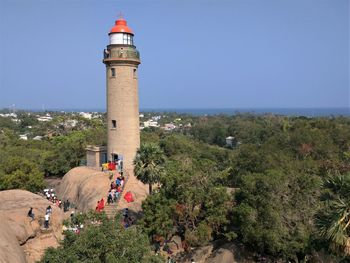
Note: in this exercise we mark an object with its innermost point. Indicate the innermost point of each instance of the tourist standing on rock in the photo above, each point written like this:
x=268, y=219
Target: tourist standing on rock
x=66, y=205
x=116, y=196
x=110, y=197
x=48, y=210
x=102, y=204
x=31, y=214
x=47, y=219
x=117, y=182
x=120, y=166
x=73, y=218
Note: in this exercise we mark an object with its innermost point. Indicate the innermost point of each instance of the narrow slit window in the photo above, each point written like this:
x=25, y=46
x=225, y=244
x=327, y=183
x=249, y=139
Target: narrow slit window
x=114, y=124
x=112, y=72
x=135, y=73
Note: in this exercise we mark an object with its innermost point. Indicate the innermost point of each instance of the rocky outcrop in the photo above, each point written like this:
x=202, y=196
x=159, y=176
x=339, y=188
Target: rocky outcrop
x=217, y=252
x=138, y=190
x=228, y=253
x=10, y=249
x=84, y=186
x=21, y=239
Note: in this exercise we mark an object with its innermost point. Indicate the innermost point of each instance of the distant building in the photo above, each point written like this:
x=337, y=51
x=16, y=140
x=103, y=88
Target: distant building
x=231, y=141
x=86, y=115
x=11, y=115
x=150, y=123
x=70, y=123
x=44, y=118
x=156, y=118
x=169, y=127
x=23, y=137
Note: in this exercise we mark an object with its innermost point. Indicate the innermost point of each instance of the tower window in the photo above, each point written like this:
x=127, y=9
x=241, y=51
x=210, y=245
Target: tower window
x=135, y=73
x=112, y=72
x=114, y=124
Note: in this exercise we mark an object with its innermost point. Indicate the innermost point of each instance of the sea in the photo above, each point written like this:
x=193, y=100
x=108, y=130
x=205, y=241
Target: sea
x=306, y=112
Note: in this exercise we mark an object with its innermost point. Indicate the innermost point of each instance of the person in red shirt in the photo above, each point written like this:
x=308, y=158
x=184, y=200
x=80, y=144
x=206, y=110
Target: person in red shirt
x=102, y=204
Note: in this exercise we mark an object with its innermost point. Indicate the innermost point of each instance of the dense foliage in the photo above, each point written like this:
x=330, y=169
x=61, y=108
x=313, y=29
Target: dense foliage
x=107, y=241
x=282, y=189
x=24, y=163
x=275, y=171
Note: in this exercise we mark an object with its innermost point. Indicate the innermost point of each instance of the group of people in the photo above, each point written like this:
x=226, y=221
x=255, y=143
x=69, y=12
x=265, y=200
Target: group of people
x=51, y=196
x=127, y=219
x=74, y=225
x=116, y=186
x=113, y=166
x=115, y=189
x=46, y=217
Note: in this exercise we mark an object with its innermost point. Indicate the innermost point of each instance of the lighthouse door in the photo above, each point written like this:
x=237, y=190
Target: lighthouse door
x=114, y=157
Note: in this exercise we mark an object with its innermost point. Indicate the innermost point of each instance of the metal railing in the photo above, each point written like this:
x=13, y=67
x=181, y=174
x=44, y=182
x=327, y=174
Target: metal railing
x=124, y=54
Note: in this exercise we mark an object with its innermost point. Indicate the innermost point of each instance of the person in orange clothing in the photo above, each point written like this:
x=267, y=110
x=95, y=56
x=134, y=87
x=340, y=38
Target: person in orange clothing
x=102, y=204
x=98, y=206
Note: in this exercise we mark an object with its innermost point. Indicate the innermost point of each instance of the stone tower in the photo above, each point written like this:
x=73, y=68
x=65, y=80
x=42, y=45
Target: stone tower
x=122, y=59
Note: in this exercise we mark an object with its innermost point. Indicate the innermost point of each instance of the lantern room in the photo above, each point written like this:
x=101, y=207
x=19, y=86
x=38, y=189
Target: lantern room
x=121, y=34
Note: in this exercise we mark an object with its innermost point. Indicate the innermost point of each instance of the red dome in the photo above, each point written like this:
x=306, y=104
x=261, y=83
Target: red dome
x=121, y=27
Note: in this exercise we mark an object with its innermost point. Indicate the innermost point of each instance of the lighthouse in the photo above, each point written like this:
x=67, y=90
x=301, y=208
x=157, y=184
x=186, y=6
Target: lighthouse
x=122, y=59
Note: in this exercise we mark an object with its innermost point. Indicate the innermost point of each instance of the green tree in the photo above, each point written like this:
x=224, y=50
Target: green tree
x=149, y=164
x=107, y=242
x=17, y=173
x=333, y=220
x=189, y=204
x=275, y=211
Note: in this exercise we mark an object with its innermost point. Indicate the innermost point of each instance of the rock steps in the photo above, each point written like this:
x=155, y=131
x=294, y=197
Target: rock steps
x=111, y=209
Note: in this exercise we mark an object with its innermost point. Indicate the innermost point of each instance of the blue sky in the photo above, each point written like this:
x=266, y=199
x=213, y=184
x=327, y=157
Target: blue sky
x=195, y=54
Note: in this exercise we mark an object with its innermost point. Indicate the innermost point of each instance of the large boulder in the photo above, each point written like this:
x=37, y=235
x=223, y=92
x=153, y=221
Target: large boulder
x=10, y=249
x=83, y=187
x=222, y=256
x=217, y=252
x=201, y=254
x=21, y=239
x=230, y=253
x=139, y=192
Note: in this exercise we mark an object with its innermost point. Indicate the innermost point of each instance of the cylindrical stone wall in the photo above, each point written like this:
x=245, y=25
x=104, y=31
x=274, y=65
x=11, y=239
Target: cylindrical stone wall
x=122, y=107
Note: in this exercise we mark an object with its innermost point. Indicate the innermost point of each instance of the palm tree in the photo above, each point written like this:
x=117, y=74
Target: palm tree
x=149, y=164
x=334, y=220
